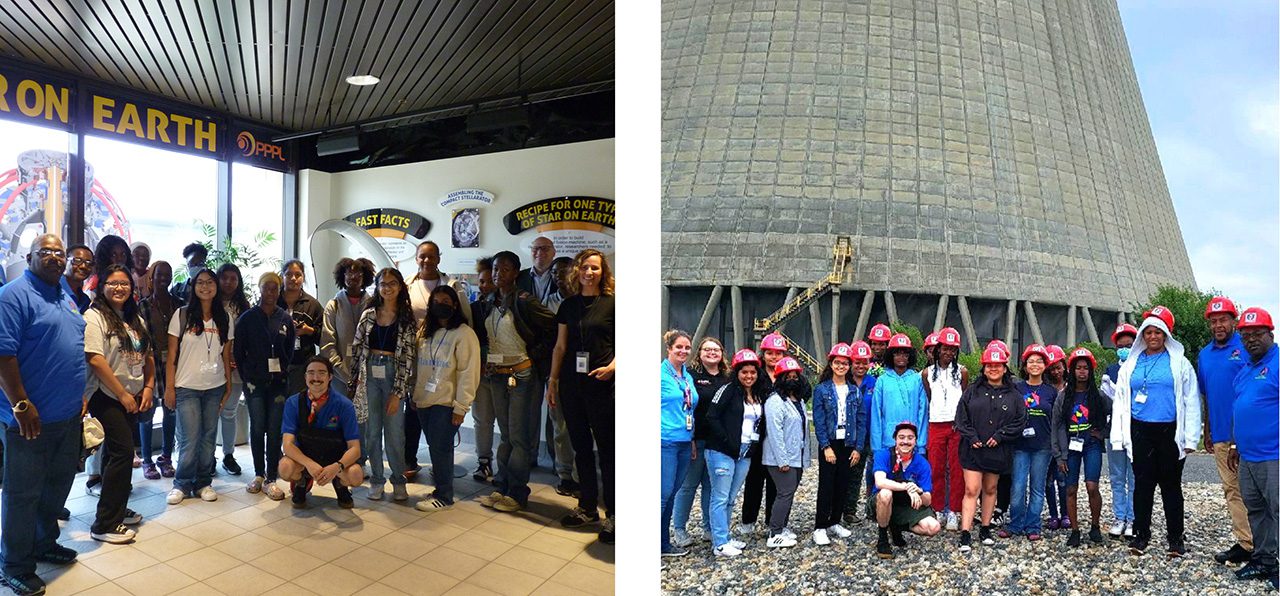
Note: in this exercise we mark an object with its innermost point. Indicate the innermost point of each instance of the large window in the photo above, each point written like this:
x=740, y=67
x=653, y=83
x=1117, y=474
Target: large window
x=30, y=157
x=257, y=216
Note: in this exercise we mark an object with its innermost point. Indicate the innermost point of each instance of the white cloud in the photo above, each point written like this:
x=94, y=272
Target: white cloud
x=1194, y=171
x=1240, y=261
x=1262, y=117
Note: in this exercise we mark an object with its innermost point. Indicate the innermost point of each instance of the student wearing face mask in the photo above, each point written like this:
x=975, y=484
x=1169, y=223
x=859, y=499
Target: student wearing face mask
x=786, y=449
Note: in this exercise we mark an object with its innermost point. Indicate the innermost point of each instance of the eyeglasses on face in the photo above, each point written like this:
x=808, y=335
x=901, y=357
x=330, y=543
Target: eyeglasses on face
x=52, y=252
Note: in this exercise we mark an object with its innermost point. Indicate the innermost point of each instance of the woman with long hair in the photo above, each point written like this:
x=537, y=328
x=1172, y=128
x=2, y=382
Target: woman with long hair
x=786, y=449
x=860, y=376
x=677, y=402
x=386, y=350
x=231, y=285
x=1055, y=370
x=991, y=415
x=308, y=319
x=837, y=414
x=773, y=348
x=156, y=312
x=1080, y=420
x=199, y=384
x=944, y=382
x=732, y=422
x=118, y=349
x=584, y=387
x=265, y=343
x=710, y=373
x=1031, y=452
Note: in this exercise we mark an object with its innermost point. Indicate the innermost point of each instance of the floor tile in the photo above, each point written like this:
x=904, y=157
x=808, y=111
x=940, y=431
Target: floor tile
x=419, y=580
x=553, y=545
x=379, y=590
x=462, y=518
x=597, y=555
x=370, y=563
x=504, y=530
x=286, y=531
x=121, y=561
x=244, y=580
x=252, y=518
x=450, y=562
x=157, y=579
x=479, y=545
x=466, y=589
x=247, y=546
x=325, y=546
x=361, y=532
x=287, y=563
x=204, y=563
x=552, y=588
x=334, y=581
x=211, y=532
x=68, y=579
x=403, y=546
x=585, y=579
x=531, y=561
x=505, y=580
x=166, y=546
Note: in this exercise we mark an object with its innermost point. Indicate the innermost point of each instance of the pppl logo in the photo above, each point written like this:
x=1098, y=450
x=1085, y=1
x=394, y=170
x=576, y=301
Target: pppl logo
x=252, y=147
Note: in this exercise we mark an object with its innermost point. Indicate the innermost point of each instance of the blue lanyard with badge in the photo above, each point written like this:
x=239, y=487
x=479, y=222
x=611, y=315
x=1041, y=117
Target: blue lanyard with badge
x=1141, y=396
x=273, y=363
x=688, y=393
x=435, y=364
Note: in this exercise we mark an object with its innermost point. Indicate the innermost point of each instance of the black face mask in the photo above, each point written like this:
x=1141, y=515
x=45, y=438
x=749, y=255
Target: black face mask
x=441, y=310
x=797, y=388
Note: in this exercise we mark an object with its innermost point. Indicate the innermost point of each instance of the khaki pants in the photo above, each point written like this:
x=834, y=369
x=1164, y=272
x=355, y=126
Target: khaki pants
x=1235, y=505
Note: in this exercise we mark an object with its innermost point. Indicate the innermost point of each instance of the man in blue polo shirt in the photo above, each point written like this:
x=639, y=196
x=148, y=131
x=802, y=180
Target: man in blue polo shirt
x=42, y=375
x=1255, y=450
x=1217, y=365
x=320, y=438
x=903, y=491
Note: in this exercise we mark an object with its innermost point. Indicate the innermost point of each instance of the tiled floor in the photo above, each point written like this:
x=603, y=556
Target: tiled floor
x=248, y=544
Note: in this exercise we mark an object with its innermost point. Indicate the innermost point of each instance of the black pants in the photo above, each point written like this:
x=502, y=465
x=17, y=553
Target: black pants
x=833, y=486
x=588, y=406
x=412, y=435
x=1003, y=488
x=856, y=476
x=117, y=460
x=1156, y=463
x=758, y=481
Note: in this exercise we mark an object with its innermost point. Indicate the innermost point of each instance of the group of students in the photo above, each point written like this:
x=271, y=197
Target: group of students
x=331, y=390
x=947, y=451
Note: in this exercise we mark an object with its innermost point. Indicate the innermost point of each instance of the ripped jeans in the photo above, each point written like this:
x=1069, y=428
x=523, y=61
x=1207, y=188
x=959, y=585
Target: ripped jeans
x=727, y=476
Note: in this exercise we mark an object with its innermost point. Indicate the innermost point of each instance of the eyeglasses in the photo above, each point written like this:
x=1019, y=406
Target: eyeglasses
x=52, y=252
x=206, y=282
x=711, y=349
x=1256, y=332
x=117, y=284
x=77, y=261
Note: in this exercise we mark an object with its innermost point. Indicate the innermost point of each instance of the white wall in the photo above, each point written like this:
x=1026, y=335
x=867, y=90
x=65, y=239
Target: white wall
x=514, y=177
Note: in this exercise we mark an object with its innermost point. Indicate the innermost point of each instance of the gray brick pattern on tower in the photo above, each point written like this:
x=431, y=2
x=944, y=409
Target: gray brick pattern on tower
x=984, y=148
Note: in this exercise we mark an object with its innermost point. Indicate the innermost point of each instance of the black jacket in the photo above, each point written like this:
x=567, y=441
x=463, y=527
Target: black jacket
x=1099, y=418
x=258, y=339
x=987, y=412
x=706, y=385
x=309, y=311
x=724, y=419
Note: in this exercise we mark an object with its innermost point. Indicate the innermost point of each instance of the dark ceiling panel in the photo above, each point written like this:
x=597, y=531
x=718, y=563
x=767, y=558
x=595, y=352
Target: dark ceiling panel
x=283, y=62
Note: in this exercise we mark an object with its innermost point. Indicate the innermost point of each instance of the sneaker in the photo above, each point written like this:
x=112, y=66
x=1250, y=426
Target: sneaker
x=299, y=489
x=431, y=505
x=175, y=496
x=93, y=486
x=1095, y=535
x=780, y=541
x=1128, y=530
x=579, y=517
x=484, y=473
x=399, y=492
x=166, y=466
x=64, y=515
x=149, y=471
x=58, y=555
x=507, y=505
x=131, y=518
x=745, y=530
x=984, y=534
x=1054, y=523
x=997, y=517
x=274, y=492
x=27, y=584
x=1116, y=529
x=673, y=551
x=1004, y=533
x=117, y=535
x=840, y=531
x=896, y=534
x=1177, y=549
x=1074, y=540
x=1252, y=571
x=1066, y=523
x=852, y=518
x=412, y=472
x=208, y=494
x=883, y=550
x=727, y=550
x=964, y=541
x=376, y=492
x=1033, y=537
x=1138, y=546
x=820, y=538
x=1236, y=555
x=255, y=487
x=344, y=495
x=229, y=464
x=953, y=521
x=789, y=534
x=738, y=544
x=679, y=537
x=606, y=531
x=490, y=499
x=567, y=488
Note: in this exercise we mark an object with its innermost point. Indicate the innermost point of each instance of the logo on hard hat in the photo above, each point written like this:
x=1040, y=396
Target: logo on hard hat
x=951, y=337
x=1216, y=306
x=1251, y=317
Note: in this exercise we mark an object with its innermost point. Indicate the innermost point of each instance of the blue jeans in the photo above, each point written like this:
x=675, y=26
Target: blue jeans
x=227, y=418
x=696, y=476
x=146, y=421
x=1091, y=457
x=515, y=454
x=1121, y=485
x=37, y=478
x=727, y=475
x=482, y=418
x=198, y=419
x=266, y=412
x=1055, y=491
x=437, y=422
x=383, y=429
x=1029, y=471
x=675, y=464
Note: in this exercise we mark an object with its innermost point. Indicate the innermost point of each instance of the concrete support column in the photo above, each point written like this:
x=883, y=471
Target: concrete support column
x=1035, y=323
x=940, y=316
x=815, y=327
x=1072, y=316
x=791, y=294
x=835, y=316
x=741, y=335
x=1010, y=319
x=966, y=319
x=864, y=315
x=890, y=306
x=710, y=309
x=1089, y=327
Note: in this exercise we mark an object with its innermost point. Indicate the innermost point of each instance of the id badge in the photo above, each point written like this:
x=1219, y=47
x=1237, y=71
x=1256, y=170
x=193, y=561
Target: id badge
x=1140, y=398
x=1077, y=444
x=379, y=371
x=135, y=370
x=840, y=432
x=580, y=363
x=431, y=386
x=348, y=352
x=273, y=365
x=297, y=343
x=211, y=366
x=511, y=382
x=1028, y=432
x=495, y=359
x=755, y=437
x=688, y=421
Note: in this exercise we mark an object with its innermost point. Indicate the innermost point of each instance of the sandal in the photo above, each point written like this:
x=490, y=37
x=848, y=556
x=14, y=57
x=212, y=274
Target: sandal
x=274, y=491
x=149, y=471
x=166, y=466
x=254, y=487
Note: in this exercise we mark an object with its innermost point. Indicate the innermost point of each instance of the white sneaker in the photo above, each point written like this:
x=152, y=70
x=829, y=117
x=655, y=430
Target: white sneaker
x=840, y=531
x=745, y=530
x=681, y=539
x=208, y=494
x=376, y=492
x=738, y=544
x=953, y=521
x=820, y=538
x=175, y=496
x=399, y=492
x=1128, y=530
x=780, y=541
x=727, y=550
x=1117, y=528
x=789, y=534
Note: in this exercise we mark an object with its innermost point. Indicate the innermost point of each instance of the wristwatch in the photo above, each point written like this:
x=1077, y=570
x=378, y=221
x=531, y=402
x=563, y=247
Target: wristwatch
x=21, y=406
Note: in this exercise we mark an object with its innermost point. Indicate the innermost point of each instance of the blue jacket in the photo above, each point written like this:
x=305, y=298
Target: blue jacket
x=787, y=443
x=897, y=398
x=826, y=412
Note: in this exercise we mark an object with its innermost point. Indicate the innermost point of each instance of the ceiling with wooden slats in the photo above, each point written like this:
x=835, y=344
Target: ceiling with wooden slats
x=283, y=62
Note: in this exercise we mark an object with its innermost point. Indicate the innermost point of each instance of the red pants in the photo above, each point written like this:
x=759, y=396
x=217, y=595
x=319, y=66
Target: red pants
x=944, y=454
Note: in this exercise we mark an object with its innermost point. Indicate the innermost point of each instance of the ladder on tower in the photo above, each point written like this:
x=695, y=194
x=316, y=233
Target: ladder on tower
x=842, y=255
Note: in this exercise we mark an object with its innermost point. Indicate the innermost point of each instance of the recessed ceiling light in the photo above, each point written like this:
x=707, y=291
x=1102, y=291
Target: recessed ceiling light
x=363, y=80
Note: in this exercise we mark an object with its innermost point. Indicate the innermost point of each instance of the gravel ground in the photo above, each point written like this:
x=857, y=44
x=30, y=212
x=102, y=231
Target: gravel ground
x=1013, y=566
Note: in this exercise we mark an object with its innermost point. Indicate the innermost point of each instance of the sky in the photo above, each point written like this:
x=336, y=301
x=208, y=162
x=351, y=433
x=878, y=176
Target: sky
x=1210, y=79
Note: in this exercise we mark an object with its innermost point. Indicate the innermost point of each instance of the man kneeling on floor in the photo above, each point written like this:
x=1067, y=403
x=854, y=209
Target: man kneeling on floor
x=321, y=439
x=902, y=492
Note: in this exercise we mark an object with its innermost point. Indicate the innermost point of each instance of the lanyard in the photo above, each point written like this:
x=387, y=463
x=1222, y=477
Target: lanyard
x=266, y=326
x=1146, y=373
x=680, y=380
x=435, y=368
x=208, y=343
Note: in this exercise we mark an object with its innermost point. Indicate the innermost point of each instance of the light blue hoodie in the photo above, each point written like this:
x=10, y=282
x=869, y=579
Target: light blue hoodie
x=897, y=398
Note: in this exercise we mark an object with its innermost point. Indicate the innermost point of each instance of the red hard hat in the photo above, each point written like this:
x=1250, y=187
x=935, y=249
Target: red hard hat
x=1255, y=317
x=1123, y=329
x=1035, y=349
x=899, y=340
x=840, y=349
x=949, y=337
x=1161, y=313
x=1055, y=353
x=861, y=351
x=1082, y=353
x=773, y=341
x=745, y=356
x=1220, y=304
x=931, y=340
x=785, y=366
x=880, y=332
x=995, y=355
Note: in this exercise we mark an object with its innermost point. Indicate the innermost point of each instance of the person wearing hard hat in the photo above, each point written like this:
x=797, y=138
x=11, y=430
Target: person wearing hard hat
x=786, y=448
x=733, y=421
x=1119, y=469
x=1055, y=489
x=878, y=339
x=710, y=373
x=1033, y=451
x=990, y=417
x=859, y=368
x=1254, y=449
x=759, y=483
x=930, y=341
x=1156, y=419
x=944, y=382
x=837, y=412
x=898, y=396
x=1080, y=418
x=1216, y=369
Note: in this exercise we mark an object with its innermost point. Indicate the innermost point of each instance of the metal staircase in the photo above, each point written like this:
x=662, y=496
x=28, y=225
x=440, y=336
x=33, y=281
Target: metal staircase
x=842, y=255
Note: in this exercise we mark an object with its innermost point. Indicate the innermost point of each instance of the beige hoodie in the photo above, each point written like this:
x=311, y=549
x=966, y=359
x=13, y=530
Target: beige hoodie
x=450, y=358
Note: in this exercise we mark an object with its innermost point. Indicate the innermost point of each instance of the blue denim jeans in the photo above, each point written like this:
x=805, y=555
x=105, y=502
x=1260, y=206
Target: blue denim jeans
x=227, y=417
x=1091, y=458
x=727, y=475
x=38, y=474
x=266, y=412
x=1029, y=471
x=482, y=418
x=383, y=432
x=198, y=421
x=696, y=476
x=1121, y=485
x=1055, y=491
x=675, y=464
x=515, y=454
x=437, y=422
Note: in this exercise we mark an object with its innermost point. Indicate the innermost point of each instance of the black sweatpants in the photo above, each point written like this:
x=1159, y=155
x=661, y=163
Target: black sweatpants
x=833, y=485
x=758, y=481
x=588, y=407
x=117, y=460
x=1156, y=463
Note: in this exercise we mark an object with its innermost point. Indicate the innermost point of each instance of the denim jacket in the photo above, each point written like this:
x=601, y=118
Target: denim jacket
x=826, y=413
x=787, y=443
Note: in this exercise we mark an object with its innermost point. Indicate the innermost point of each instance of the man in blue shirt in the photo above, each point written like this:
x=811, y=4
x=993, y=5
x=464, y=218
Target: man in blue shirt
x=1217, y=366
x=320, y=438
x=1255, y=450
x=903, y=491
x=42, y=375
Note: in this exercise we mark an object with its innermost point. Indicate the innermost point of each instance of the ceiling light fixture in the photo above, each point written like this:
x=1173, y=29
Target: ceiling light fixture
x=363, y=80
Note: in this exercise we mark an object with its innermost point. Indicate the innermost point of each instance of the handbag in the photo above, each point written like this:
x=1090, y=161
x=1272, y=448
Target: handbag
x=91, y=437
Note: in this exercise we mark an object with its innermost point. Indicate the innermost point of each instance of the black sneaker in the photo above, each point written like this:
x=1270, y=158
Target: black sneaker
x=58, y=555
x=567, y=488
x=606, y=531
x=1236, y=554
x=674, y=551
x=1252, y=571
x=27, y=584
x=1177, y=549
x=344, y=495
x=299, y=489
x=898, y=540
x=65, y=514
x=229, y=464
x=965, y=541
x=1074, y=540
x=484, y=473
x=1095, y=535
x=1138, y=546
x=883, y=550
x=131, y=518
x=117, y=535
x=984, y=534
x=579, y=517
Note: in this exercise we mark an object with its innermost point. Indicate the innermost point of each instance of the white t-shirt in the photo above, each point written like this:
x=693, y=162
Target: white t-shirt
x=842, y=394
x=944, y=394
x=126, y=364
x=750, y=414
x=200, y=365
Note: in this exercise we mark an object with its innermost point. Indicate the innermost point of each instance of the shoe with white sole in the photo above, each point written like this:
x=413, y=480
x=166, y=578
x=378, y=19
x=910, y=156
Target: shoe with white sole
x=840, y=531
x=820, y=538
x=508, y=505
x=376, y=492
x=489, y=499
x=681, y=539
x=208, y=494
x=118, y=535
x=953, y=521
x=780, y=541
x=431, y=505
x=273, y=490
x=399, y=492
x=738, y=544
x=175, y=496
x=1128, y=530
x=1117, y=529
x=789, y=534
x=727, y=550
x=131, y=518
x=745, y=530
